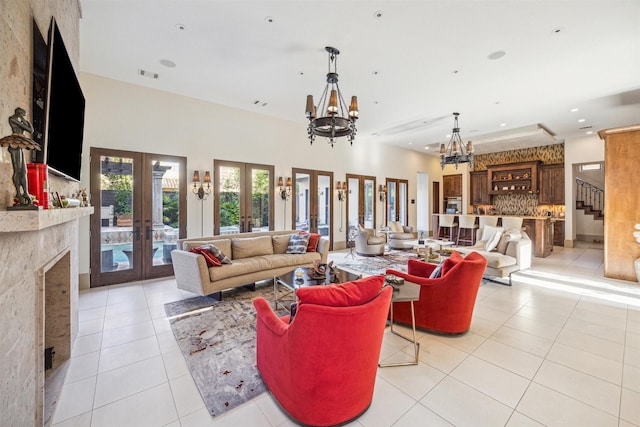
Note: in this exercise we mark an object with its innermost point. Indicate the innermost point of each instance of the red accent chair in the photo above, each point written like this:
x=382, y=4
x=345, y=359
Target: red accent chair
x=446, y=303
x=321, y=367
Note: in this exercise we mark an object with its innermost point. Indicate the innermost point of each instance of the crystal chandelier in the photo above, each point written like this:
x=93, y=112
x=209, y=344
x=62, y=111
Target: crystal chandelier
x=455, y=152
x=338, y=121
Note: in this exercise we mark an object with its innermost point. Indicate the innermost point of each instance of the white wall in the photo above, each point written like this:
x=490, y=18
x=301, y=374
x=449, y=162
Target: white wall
x=577, y=150
x=129, y=117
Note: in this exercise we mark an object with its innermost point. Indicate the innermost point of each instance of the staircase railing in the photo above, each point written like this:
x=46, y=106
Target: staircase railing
x=589, y=195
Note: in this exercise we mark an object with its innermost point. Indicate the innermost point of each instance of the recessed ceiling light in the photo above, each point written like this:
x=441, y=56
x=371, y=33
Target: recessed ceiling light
x=573, y=110
x=375, y=72
x=502, y=125
x=580, y=120
x=557, y=30
x=455, y=71
x=269, y=19
x=181, y=27
x=301, y=73
x=376, y=102
x=378, y=14
x=497, y=54
x=168, y=63
x=589, y=132
x=497, y=102
x=411, y=143
x=426, y=147
x=448, y=135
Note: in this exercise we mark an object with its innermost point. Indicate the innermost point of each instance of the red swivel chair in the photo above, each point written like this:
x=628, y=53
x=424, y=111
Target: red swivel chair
x=321, y=367
x=446, y=303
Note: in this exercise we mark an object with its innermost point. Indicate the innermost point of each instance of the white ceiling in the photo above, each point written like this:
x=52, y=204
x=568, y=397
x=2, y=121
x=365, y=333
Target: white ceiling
x=411, y=67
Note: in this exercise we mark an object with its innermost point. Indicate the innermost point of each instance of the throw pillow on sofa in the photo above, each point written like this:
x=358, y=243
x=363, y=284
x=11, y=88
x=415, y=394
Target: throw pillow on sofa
x=314, y=238
x=298, y=244
x=491, y=235
x=216, y=252
x=508, y=236
x=211, y=260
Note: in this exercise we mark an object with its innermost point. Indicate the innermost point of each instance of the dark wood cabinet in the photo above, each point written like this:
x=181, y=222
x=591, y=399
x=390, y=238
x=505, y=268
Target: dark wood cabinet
x=452, y=186
x=515, y=178
x=551, y=184
x=540, y=232
x=479, y=188
x=558, y=233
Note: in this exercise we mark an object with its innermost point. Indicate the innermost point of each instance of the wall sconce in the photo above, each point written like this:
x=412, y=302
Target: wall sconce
x=383, y=193
x=342, y=190
x=201, y=190
x=285, y=192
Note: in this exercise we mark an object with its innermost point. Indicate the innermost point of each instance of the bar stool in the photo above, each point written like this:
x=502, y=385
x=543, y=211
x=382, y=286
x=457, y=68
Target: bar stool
x=509, y=223
x=488, y=220
x=446, y=221
x=468, y=224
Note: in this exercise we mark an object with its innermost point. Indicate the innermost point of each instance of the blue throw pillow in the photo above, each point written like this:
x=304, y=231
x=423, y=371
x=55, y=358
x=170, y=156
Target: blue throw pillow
x=437, y=272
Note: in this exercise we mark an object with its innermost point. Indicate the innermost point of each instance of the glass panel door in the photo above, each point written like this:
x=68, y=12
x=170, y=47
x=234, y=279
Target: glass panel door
x=360, y=201
x=140, y=214
x=245, y=197
x=166, y=221
x=397, y=200
x=312, y=202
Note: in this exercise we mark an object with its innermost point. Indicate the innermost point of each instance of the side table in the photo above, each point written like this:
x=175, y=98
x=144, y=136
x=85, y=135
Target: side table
x=408, y=292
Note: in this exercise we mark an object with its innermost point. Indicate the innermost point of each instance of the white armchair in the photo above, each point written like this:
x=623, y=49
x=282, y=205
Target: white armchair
x=367, y=243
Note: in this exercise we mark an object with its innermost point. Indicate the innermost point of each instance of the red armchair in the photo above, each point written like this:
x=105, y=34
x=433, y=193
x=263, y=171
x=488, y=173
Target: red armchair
x=446, y=303
x=321, y=367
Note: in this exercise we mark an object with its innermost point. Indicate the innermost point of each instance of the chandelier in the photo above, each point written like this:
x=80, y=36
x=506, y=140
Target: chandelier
x=338, y=121
x=455, y=152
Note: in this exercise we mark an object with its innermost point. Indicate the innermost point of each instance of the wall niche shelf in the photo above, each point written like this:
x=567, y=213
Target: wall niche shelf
x=514, y=178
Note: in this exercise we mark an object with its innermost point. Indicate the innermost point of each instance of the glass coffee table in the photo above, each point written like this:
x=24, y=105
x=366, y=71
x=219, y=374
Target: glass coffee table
x=290, y=283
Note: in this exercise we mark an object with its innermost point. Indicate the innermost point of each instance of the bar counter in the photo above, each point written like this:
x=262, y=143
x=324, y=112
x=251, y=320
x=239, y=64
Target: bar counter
x=540, y=230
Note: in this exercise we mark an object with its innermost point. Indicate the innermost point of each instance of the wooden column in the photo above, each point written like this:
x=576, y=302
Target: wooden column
x=622, y=200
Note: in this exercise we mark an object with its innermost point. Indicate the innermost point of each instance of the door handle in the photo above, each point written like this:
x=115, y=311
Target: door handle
x=136, y=232
x=147, y=232
x=249, y=224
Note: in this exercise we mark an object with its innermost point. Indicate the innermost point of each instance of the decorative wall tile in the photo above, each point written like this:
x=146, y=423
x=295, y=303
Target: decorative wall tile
x=548, y=154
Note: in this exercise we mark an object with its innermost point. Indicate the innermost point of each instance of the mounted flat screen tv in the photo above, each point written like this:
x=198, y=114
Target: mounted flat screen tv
x=64, y=105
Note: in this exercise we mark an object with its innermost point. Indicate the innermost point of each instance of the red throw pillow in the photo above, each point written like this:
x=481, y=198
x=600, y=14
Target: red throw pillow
x=314, y=238
x=212, y=261
x=346, y=294
x=451, y=262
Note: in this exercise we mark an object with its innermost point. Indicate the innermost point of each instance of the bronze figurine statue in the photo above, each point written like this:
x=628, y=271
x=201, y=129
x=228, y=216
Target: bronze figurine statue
x=15, y=143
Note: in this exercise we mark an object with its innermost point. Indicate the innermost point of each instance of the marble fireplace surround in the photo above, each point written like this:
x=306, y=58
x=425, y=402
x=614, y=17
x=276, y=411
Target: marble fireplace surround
x=38, y=308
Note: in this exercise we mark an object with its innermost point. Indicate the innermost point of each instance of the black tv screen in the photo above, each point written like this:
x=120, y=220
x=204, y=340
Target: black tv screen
x=64, y=112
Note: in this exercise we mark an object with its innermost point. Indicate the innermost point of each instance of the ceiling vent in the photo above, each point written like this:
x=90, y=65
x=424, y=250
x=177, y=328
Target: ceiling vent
x=149, y=74
x=526, y=136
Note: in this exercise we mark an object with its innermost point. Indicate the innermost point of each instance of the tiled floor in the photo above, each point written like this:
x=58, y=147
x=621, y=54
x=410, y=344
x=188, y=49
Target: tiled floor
x=535, y=356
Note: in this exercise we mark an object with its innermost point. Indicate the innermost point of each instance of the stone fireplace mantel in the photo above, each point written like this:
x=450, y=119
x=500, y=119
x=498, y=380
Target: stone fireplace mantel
x=12, y=221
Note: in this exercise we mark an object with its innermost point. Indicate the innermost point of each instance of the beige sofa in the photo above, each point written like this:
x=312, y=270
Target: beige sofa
x=255, y=256
x=510, y=255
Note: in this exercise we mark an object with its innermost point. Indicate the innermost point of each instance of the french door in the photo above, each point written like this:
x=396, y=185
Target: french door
x=361, y=202
x=397, y=201
x=312, y=202
x=141, y=199
x=243, y=197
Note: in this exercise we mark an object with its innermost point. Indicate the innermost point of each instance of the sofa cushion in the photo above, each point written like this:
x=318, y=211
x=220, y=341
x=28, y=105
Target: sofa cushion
x=280, y=243
x=347, y=294
x=498, y=260
x=401, y=236
x=247, y=247
x=298, y=244
x=375, y=240
x=292, y=260
x=240, y=267
x=396, y=227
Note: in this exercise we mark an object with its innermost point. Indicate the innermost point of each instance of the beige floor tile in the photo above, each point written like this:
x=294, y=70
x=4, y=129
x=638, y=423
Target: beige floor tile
x=129, y=380
x=500, y=384
x=630, y=406
x=82, y=367
x=199, y=418
x=510, y=358
x=83, y=420
x=387, y=406
x=523, y=341
x=535, y=327
x=414, y=380
x=125, y=354
x=439, y=355
x=149, y=408
x=174, y=364
x=519, y=420
x=554, y=409
x=248, y=414
x=463, y=406
x=87, y=344
x=186, y=395
x=75, y=399
x=587, y=363
x=594, y=345
x=129, y=333
x=125, y=318
x=585, y=388
x=631, y=378
x=419, y=415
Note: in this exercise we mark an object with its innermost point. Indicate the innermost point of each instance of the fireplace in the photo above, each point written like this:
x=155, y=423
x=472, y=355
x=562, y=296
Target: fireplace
x=38, y=309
